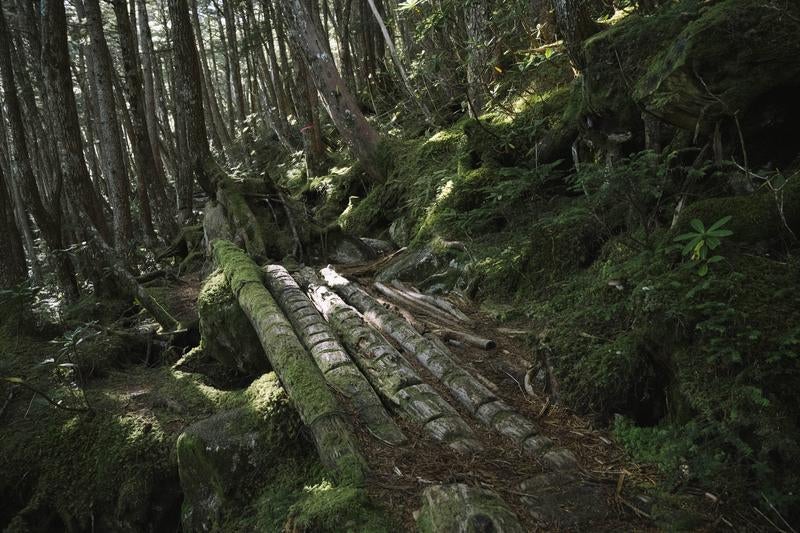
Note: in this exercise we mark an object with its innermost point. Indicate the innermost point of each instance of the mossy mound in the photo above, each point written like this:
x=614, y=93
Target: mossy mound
x=225, y=332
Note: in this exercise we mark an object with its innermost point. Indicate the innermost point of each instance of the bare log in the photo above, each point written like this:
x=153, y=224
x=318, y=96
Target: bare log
x=469, y=390
x=466, y=338
x=317, y=406
x=437, y=301
x=416, y=305
x=461, y=508
x=387, y=370
x=331, y=358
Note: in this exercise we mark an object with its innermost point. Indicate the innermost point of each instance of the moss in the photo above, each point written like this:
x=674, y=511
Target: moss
x=756, y=217
x=226, y=334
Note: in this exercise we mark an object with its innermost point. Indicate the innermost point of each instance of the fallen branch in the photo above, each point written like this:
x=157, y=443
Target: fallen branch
x=416, y=305
x=466, y=338
x=435, y=301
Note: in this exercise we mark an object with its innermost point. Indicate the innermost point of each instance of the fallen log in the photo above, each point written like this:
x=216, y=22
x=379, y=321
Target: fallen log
x=315, y=403
x=421, y=307
x=459, y=507
x=470, y=391
x=387, y=370
x=331, y=358
x=466, y=338
x=436, y=301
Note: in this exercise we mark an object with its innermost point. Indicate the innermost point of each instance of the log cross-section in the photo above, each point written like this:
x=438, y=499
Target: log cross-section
x=387, y=370
x=315, y=402
x=333, y=361
x=468, y=389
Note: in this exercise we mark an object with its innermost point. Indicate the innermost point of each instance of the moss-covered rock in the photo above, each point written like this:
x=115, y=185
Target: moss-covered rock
x=221, y=458
x=759, y=219
x=226, y=334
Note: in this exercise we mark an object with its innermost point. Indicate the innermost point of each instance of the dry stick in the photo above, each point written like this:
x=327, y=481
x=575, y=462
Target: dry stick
x=387, y=370
x=36, y=391
x=436, y=301
x=467, y=389
x=334, y=362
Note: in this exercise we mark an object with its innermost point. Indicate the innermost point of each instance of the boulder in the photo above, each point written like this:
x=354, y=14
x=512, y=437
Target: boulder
x=226, y=333
x=223, y=459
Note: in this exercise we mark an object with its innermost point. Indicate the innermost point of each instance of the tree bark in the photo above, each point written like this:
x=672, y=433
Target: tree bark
x=305, y=385
x=13, y=269
x=235, y=65
x=331, y=358
x=48, y=220
x=575, y=25
x=340, y=104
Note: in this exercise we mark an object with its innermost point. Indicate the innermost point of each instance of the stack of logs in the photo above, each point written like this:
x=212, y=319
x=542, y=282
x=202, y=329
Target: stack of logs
x=318, y=328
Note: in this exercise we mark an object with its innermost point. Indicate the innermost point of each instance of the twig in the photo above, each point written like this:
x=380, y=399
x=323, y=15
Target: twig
x=45, y=396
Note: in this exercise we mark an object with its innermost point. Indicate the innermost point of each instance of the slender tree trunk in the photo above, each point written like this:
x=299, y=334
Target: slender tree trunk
x=340, y=104
x=211, y=93
x=147, y=57
x=233, y=51
x=111, y=149
x=477, y=22
x=195, y=153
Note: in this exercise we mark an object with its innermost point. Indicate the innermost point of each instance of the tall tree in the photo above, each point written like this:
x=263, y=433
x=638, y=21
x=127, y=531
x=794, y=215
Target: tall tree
x=111, y=149
x=339, y=102
x=194, y=152
x=48, y=220
x=235, y=64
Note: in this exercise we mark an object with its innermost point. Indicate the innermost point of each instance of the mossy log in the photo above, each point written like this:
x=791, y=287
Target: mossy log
x=387, y=370
x=333, y=361
x=318, y=407
x=468, y=389
x=462, y=508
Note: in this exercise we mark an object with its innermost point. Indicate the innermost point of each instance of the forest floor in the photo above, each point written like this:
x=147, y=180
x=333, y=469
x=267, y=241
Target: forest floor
x=610, y=492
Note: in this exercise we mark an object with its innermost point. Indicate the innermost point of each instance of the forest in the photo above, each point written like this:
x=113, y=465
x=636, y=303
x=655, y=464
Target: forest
x=399, y=265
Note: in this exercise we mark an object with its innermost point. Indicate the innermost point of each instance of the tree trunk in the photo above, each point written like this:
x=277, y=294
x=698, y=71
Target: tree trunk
x=340, y=104
x=13, y=269
x=58, y=81
x=478, y=67
x=388, y=371
x=151, y=110
x=469, y=390
x=305, y=385
x=233, y=51
x=333, y=361
x=575, y=25
x=49, y=221
x=150, y=192
x=211, y=93
x=111, y=149
x=189, y=94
